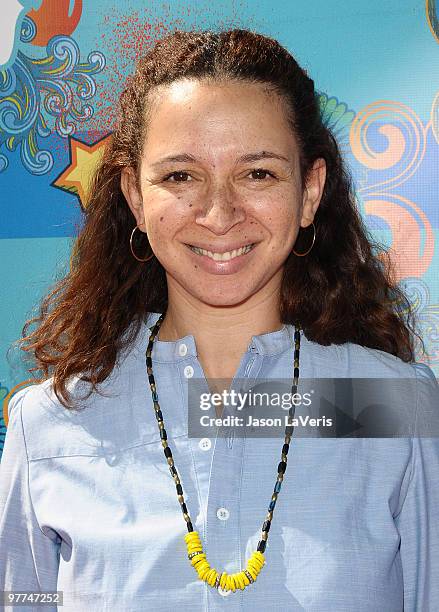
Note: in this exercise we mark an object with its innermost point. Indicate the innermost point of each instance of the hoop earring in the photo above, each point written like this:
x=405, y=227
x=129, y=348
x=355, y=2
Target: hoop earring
x=132, y=250
x=312, y=243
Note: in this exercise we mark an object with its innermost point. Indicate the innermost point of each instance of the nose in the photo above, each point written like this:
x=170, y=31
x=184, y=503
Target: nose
x=221, y=211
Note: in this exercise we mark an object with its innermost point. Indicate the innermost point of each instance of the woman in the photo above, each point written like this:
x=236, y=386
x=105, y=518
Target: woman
x=221, y=241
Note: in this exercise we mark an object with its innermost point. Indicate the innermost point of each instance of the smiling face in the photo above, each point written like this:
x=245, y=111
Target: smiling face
x=220, y=194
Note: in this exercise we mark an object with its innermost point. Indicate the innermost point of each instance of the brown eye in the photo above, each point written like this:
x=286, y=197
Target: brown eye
x=179, y=175
x=261, y=171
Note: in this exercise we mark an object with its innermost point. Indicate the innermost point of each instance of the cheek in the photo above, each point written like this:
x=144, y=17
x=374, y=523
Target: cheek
x=164, y=216
x=280, y=216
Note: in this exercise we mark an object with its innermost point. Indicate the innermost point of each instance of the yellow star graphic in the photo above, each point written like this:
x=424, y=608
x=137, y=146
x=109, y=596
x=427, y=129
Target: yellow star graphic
x=84, y=159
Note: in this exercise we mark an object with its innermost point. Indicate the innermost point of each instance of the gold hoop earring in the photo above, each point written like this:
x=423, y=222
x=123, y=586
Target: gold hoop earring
x=312, y=243
x=132, y=250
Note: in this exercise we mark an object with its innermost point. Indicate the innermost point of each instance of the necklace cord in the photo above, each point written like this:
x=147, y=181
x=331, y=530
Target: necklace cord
x=196, y=555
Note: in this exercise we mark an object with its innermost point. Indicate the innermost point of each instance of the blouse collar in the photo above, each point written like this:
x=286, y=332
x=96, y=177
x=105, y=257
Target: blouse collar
x=271, y=343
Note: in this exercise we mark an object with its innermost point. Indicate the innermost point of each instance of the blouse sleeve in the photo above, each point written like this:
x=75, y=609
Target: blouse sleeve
x=29, y=558
x=418, y=520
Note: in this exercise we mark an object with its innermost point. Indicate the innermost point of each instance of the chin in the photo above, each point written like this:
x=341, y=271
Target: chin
x=221, y=298
x=217, y=290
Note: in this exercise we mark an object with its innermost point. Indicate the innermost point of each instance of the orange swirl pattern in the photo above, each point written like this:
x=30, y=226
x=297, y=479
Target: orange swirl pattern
x=412, y=235
x=405, y=136
x=410, y=229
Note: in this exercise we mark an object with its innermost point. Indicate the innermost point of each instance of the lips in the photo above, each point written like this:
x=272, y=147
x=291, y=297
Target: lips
x=221, y=249
x=224, y=263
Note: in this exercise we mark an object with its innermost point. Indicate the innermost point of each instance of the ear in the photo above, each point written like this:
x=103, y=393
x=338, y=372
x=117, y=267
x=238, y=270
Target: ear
x=312, y=195
x=128, y=184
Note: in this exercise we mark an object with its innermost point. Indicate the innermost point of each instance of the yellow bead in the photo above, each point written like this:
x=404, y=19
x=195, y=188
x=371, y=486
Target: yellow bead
x=207, y=575
x=231, y=583
x=201, y=555
x=192, y=537
x=196, y=560
x=259, y=556
x=256, y=569
x=251, y=564
x=256, y=562
x=223, y=580
x=234, y=582
x=203, y=574
x=202, y=567
x=212, y=577
x=252, y=572
x=239, y=579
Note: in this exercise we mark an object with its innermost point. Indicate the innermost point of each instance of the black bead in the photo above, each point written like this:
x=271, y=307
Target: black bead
x=173, y=470
x=296, y=354
x=183, y=507
x=296, y=372
x=282, y=467
x=289, y=430
x=159, y=415
x=189, y=526
x=266, y=526
x=261, y=546
x=285, y=449
x=148, y=362
x=151, y=379
x=179, y=489
x=163, y=434
x=168, y=452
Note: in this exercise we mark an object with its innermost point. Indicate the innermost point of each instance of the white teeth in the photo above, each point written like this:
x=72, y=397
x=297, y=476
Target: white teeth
x=223, y=256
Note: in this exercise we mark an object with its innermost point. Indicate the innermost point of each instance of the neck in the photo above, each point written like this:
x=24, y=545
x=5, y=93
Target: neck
x=222, y=333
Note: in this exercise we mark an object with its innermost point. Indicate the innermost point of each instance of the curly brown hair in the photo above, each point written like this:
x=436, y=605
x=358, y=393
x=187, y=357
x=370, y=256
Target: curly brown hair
x=343, y=291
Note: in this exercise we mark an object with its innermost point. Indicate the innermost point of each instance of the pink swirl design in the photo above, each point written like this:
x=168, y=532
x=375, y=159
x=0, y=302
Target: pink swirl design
x=410, y=228
x=406, y=143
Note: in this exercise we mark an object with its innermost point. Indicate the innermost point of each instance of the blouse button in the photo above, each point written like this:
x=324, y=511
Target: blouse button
x=111, y=459
x=188, y=371
x=182, y=349
x=205, y=444
x=222, y=592
x=223, y=514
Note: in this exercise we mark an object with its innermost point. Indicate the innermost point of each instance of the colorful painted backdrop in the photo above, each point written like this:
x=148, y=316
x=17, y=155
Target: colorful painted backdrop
x=62, y=65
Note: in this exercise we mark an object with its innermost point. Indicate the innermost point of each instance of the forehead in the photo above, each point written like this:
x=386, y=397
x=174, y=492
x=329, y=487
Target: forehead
x=212, y=113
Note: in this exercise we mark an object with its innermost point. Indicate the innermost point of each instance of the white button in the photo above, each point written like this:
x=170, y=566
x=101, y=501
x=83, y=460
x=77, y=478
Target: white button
x=205, y=444
x=223, y=593
x=182, y=349
x=223, y=514
x=188, y=371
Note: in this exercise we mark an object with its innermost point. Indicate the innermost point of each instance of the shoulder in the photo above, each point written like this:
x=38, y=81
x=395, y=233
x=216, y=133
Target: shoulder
x=50, y=429
x=43, y=417
x=357, y=361
x=411, y=388
x=34, y=398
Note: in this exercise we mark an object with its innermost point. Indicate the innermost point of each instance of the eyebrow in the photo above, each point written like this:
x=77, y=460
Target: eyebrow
x=248, y=157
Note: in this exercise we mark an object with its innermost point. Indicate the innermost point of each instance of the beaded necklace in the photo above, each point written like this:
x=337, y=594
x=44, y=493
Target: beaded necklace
x=196, y=556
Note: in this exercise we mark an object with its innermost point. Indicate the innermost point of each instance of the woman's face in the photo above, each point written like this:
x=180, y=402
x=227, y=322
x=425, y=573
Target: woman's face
x=220, y=190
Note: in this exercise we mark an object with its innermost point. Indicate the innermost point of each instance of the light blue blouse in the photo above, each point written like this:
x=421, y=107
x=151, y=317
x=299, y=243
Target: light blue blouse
x=88, y=505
